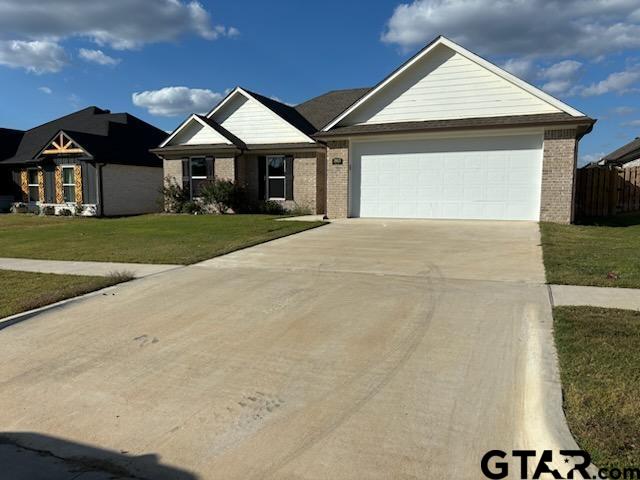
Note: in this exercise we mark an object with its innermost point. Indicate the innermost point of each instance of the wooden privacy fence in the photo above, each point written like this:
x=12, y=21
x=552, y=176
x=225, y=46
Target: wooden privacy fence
x=601, y=193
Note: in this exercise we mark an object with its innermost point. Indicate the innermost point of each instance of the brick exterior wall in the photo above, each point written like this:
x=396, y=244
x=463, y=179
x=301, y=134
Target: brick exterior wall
x=225, y=168
x=338, y=179
x=173, y=170
x=304, y=180
x=321, y=183
x=24, y=185
x=558, y=176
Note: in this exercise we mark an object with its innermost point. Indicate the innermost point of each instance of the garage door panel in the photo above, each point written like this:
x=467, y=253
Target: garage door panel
x=475, y=178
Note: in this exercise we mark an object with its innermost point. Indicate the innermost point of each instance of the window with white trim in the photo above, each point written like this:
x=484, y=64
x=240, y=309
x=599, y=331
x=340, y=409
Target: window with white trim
x=276, y=177
x=33, y=185
x=69, y=183
x=198, y=175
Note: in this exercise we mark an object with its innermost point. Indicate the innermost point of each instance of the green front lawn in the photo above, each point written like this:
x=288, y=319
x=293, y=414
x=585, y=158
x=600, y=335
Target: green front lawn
x=599, y=357
x=21, y=291
x=605, y=254
x=175, y=239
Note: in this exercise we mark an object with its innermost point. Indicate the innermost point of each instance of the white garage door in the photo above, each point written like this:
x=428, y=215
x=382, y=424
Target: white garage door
x=495, y=178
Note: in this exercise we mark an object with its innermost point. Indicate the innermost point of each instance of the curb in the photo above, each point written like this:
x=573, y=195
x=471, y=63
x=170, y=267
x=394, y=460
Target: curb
x=546, y=426
x=24, y=316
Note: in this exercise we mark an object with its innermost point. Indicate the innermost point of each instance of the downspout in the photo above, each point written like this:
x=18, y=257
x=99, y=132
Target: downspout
x=99, y=195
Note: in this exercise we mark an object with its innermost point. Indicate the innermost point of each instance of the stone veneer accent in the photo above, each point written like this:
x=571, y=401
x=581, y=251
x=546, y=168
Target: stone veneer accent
x=224, y=168
x=41, y=198
x=77, y=177
x=338, y=179
x=58, y=183
x=558, y=176
x=24, y=185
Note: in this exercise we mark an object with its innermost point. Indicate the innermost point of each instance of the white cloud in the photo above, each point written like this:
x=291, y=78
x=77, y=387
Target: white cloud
x=539, y=28
x=561, y=70
x=632, y=123
x=35, y=56
x=174, y=101
x=561, y=77
x=520, y=67
x=98, y=56
x=46, y=90
x=624, y=110
x=617, y=82
x=121, y=24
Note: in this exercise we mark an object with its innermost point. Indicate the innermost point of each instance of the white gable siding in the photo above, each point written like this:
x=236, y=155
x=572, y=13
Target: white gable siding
x=194, y=133
x=446, y=85
x=252, y=122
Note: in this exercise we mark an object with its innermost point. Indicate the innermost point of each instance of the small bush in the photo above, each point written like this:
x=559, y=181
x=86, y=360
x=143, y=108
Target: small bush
x=174, y=197
x=79, y=209
x=299, y=211
x=271, y=207
x=48, y=210
x=223, y=195
x=65, y=212
x=191, y=207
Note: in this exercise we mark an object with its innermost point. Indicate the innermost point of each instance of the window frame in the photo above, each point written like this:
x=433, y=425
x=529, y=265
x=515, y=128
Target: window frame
x=74, y=184
x=276, y=177
x=199, y=177
x=37, y=184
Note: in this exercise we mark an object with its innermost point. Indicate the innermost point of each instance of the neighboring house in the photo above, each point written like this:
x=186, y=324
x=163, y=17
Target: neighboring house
x=446, y=135
x=93, y=158
x=9, y=141
x=627, y=156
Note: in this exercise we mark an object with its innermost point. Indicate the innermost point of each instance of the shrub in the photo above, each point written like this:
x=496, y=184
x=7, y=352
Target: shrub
x=223, y=195
x=299, y=211
x=192, y=207
x=79, y=209
x=271, y=207
x=65, y=212
x=48, y=210
x=174, y=197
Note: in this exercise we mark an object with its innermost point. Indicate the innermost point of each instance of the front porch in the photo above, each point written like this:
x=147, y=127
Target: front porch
x=294, y=176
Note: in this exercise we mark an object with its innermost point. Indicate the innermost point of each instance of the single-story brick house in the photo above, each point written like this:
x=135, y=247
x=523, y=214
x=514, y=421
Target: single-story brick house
x=92, y=157
x=446, y=135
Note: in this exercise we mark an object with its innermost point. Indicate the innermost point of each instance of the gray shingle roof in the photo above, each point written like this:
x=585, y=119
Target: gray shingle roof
x=626, y=153
x=320, y=110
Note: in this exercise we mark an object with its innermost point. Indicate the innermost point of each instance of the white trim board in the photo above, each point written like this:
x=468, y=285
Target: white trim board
x=470, y=56
x=201, y=122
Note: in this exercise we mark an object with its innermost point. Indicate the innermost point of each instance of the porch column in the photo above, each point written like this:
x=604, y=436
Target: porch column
x=225, y=168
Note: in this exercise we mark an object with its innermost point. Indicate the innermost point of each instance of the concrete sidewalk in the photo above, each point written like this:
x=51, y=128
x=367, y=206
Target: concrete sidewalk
x=625, y=298
x=100, y=269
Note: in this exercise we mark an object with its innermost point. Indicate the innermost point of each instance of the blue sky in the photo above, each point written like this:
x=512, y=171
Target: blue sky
x=52, y=62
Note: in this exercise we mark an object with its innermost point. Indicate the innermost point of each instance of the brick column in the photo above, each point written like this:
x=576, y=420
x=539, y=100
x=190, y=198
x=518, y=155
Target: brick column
x=338, y=179
x=558, y=176
x=41, y=198
x=225, y=168
x=173, y=170
x=304, y=180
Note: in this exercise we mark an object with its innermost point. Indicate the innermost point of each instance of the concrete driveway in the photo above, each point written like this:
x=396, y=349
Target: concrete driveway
x=363, y=349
